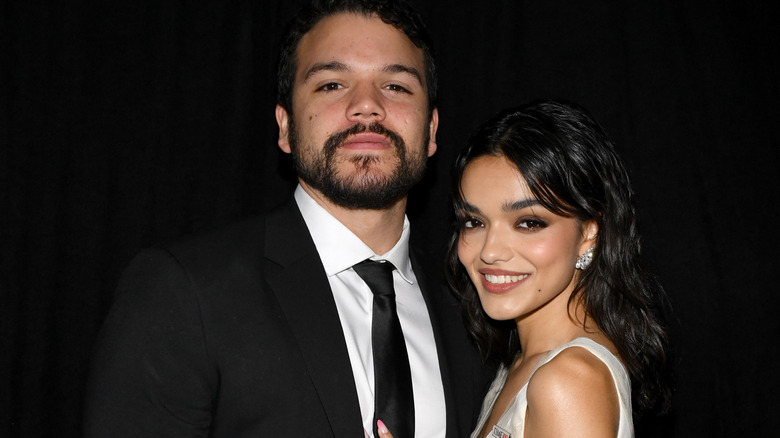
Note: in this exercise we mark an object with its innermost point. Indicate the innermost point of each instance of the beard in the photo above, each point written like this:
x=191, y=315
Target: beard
x=365, y=188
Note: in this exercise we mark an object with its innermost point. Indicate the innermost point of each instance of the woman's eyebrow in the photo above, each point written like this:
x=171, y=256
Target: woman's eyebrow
x=519, y=205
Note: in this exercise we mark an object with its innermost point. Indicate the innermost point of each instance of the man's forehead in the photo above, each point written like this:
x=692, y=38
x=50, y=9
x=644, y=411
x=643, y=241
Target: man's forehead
x=356, y=34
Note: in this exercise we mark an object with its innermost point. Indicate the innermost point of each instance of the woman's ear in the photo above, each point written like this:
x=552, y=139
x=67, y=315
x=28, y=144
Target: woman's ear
x=590, y=230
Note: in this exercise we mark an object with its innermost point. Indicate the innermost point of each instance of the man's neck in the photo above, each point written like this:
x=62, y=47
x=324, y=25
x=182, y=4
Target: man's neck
x=378, y=229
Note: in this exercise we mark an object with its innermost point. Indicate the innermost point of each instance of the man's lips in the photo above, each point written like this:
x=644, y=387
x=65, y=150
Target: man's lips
x=500, y=281
x=366, y=141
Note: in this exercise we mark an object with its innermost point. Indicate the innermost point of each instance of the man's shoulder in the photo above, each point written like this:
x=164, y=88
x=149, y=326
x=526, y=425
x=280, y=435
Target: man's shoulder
x=243, y=236
x=217, y=242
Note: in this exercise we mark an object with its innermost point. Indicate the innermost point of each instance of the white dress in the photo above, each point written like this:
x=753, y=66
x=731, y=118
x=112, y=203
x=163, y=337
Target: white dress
x=512, y=422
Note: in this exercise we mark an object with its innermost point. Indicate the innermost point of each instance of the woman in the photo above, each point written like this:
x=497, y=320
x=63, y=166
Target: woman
x=546, y=260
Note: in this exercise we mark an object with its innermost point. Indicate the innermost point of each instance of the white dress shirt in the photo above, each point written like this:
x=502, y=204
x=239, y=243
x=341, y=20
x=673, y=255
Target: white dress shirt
x=339, y=250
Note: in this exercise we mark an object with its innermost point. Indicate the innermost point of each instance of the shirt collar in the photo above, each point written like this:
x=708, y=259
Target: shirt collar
x=339, y=248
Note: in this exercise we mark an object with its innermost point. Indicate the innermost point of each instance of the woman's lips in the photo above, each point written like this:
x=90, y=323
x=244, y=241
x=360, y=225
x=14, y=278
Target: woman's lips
x=498, y=282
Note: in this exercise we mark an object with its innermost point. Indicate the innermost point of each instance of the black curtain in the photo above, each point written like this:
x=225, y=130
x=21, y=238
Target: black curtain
x=128, y=123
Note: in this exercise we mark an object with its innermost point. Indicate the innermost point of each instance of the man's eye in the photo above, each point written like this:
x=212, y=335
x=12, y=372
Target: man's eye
x=330, y=86
x=397, y=88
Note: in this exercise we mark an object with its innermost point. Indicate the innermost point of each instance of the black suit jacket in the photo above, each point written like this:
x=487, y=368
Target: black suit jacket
x=236, y=334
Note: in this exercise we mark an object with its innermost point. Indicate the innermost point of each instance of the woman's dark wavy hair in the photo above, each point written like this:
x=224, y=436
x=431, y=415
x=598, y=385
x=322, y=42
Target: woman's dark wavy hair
x=571, y=167
x=397, y=13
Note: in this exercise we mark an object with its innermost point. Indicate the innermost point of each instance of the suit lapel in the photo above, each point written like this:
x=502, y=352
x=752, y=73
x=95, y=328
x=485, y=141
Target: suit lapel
x=464, y=377
x=294, y=272
x=431, y=288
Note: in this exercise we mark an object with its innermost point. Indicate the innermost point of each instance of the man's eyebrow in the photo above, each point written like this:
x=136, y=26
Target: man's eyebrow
x=519, y=205
x=400, y=68
x=341, y=67
x=324, y=66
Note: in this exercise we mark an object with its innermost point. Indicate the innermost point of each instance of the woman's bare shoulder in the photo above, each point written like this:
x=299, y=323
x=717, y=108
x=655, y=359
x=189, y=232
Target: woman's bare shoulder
x=573, y=395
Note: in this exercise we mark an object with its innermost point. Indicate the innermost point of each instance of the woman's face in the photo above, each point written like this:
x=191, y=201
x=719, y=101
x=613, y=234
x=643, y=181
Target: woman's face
x=519, y=255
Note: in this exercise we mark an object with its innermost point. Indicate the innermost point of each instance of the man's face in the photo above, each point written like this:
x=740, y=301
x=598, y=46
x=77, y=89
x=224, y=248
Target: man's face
x=361, y=131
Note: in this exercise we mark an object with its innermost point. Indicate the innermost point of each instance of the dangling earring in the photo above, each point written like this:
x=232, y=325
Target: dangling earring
x=584, y=260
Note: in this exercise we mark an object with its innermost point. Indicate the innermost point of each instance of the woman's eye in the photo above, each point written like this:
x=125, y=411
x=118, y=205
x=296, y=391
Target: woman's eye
x=531, y=224
x=471, y=223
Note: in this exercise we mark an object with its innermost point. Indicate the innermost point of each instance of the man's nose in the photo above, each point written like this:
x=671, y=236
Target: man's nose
x=366, y=103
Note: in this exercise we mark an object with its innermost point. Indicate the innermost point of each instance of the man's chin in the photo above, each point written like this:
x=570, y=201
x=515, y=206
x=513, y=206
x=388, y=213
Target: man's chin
x=365, y=186
x=372, y=174
x=366, y=200
x=349, y=162
x=366, y=192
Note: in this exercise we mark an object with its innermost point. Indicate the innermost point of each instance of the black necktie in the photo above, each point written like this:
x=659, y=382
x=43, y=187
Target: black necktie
x=393, y=399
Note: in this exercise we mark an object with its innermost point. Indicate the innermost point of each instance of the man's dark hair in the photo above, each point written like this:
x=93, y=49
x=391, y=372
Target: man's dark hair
x=397, y=13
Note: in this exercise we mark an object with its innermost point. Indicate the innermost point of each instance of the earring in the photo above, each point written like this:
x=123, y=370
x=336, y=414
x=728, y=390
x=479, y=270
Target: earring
x=584, y=260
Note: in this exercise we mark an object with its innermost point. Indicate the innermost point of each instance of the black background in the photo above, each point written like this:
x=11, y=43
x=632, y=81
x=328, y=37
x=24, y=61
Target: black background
x=126, y=123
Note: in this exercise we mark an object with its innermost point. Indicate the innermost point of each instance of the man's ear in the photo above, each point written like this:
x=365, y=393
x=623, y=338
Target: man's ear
x=282, y=119
x=432, y=128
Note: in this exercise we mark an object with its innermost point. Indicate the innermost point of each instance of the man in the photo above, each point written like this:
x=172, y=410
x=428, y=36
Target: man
x=265, y=328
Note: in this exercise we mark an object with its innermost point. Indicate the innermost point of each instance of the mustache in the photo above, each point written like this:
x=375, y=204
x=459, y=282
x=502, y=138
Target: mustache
x=335, y=140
